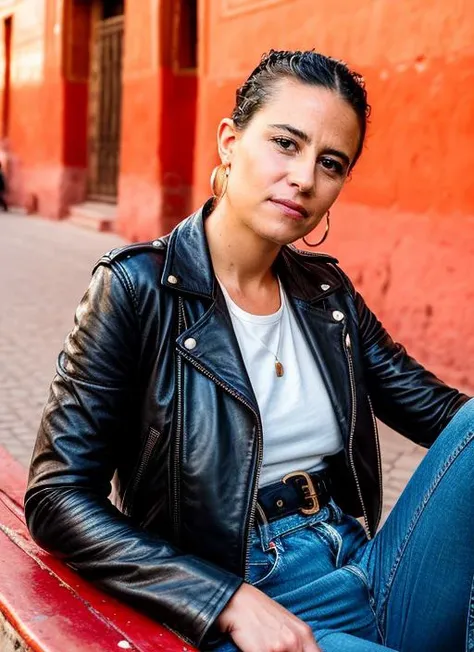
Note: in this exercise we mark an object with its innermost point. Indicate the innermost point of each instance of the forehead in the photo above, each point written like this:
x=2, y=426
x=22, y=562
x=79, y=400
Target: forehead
x=321, y=113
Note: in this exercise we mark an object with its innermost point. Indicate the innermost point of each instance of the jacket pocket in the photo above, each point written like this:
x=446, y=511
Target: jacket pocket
x=140, y=471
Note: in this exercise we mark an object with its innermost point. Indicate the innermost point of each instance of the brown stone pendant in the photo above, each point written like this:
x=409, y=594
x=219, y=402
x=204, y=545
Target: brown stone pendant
x=279, y=369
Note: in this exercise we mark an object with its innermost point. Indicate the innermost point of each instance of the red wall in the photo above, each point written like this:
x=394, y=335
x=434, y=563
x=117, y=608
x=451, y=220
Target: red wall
x=417, y=59
x=139, y=196
x=404, y=226
x=158, y=126
x=47, y=143
x=76, y=30
x=36, y=103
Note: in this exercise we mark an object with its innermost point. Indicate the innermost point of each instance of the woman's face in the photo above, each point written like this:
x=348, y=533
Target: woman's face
x=289, y=164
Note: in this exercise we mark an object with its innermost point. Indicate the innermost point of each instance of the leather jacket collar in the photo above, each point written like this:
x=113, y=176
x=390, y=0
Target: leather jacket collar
x=188, y=261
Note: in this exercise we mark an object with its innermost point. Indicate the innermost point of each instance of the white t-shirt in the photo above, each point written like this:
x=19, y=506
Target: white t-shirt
x=299, y=424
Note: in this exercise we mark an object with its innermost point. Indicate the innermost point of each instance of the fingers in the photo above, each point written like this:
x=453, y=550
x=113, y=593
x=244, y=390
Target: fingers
x=307, y=637
x=275, y=632
x=257, y=623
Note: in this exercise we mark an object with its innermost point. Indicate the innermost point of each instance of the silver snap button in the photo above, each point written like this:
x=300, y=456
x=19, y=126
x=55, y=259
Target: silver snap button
x=190, y=343
x=156, y=243
x=172, y=279
x=325, y=287
x=338, y=315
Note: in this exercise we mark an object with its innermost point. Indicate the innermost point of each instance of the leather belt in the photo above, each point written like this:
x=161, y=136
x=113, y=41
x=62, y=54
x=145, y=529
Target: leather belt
x=298, y=492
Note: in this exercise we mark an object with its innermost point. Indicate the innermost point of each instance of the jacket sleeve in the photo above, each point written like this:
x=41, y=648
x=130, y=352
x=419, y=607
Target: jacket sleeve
x=407, y=397
x=66, y=505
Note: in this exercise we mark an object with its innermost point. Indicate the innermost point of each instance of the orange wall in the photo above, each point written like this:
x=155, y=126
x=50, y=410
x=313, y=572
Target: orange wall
x=418, y=61
x=158, y=125
x=36, y=103
x=404, y=226
x=47, y=146
x=139, y=196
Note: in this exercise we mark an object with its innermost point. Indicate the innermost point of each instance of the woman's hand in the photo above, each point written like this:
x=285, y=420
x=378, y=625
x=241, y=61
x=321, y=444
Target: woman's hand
x=257, y=623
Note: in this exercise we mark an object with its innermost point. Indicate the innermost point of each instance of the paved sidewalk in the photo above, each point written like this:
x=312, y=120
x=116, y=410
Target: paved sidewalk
x=45, y=268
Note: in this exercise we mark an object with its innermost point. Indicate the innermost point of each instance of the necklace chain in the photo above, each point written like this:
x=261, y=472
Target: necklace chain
x=279, y=369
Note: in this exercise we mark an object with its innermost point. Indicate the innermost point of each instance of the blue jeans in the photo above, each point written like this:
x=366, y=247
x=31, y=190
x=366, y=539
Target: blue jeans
x=410, y=588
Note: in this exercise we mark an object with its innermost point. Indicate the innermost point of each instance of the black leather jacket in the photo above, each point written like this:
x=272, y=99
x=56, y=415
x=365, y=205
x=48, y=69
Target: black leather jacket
x=151, y=392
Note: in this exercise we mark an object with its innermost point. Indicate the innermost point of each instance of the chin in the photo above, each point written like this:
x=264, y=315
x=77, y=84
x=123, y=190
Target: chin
x=280, y=238
x=277, y=231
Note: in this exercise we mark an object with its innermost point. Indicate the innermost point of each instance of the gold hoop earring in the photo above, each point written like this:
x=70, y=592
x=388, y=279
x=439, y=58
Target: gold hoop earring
x=326, y=233
x=219, y=180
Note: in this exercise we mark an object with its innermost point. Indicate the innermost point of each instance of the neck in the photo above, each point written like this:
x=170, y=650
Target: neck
x=240, y=257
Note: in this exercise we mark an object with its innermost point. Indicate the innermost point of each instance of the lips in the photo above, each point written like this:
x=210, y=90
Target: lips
x=292, y=208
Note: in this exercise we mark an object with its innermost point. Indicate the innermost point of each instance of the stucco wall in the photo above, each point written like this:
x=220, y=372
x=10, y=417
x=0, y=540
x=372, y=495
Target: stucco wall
x=36, y=102
x=158, y=125
x=404, y=226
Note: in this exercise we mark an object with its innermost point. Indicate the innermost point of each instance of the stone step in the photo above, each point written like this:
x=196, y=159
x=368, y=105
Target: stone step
x=94, y=215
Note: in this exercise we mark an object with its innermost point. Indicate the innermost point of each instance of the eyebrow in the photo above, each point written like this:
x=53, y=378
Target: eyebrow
x=341, y=155
x=302, y=135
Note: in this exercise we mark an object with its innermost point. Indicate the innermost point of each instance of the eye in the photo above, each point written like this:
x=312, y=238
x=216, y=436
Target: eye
x=332, y=165
x=285, y=144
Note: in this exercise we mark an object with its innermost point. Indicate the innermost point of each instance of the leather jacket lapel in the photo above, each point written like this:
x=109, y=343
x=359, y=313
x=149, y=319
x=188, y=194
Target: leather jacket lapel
x=188, y=267
x=211, y=346
x=325, y=337
x=210, y=343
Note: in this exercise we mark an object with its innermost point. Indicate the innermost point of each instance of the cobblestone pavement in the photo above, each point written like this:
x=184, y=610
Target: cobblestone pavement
x=45, y=268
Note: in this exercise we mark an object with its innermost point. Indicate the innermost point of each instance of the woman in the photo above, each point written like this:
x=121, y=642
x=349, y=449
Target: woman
x=226, y=382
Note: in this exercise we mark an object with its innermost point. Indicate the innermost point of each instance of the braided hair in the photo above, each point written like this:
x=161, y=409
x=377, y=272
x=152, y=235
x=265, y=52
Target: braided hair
x=308, y=67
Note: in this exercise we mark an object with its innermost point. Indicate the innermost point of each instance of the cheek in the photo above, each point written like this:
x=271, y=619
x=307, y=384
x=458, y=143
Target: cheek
x=259, y=166
x=329, y=188
x=335, y=191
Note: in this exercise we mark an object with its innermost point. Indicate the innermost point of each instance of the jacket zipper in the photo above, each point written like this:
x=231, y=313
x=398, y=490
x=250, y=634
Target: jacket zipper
x=347, y=345
x=239, y=398
x=151, y=440
x=379, y=458
x=179, y=421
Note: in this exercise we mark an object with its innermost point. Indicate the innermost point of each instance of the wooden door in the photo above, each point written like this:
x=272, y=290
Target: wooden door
x=105, y=99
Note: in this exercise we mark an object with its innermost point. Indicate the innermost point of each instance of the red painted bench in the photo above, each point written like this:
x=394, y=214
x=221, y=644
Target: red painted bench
x=46, y=607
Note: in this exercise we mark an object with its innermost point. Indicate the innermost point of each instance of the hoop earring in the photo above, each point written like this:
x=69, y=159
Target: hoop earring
x=219, y=180
x=326, y=233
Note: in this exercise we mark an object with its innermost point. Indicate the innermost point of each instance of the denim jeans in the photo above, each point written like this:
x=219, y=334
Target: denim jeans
x=410, y=588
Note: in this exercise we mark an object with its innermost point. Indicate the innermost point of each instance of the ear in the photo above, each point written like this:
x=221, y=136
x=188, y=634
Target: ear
x=226, y=138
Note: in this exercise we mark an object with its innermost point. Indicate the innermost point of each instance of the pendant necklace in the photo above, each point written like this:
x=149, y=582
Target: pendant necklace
x=279, y=368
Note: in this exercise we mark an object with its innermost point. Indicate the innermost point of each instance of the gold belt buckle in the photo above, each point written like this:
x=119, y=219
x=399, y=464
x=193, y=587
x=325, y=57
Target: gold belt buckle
x=308, y=489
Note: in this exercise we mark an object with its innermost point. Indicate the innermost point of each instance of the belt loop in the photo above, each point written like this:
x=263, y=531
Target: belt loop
x=263, y=528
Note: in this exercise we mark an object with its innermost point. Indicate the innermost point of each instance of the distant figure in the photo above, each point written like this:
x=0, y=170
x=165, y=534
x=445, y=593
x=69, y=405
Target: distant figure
x=3, y=189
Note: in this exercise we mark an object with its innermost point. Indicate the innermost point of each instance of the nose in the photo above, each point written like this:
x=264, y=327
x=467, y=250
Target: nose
x=302, y=174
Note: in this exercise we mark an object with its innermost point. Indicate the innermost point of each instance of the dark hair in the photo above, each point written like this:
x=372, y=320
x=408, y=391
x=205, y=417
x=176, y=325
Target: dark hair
x=308, y=67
